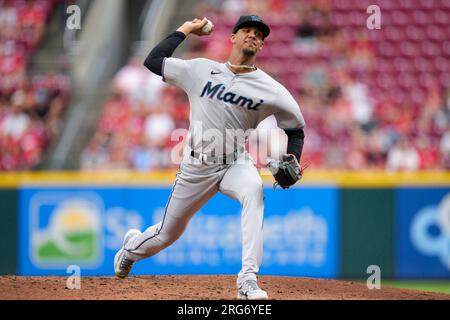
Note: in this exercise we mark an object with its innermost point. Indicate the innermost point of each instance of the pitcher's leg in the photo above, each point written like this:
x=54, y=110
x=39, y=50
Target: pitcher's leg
x=243, y=183
x=187, y=197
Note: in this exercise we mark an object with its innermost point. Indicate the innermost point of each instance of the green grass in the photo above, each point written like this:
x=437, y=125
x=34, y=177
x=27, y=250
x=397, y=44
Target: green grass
x=49, y=250
x=435, y=286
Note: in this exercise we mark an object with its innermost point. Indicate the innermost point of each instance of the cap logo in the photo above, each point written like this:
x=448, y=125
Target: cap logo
x=255, y=18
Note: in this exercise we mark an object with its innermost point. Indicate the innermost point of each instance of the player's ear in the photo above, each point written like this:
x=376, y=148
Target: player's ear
x=262, y=45
x=233, y=38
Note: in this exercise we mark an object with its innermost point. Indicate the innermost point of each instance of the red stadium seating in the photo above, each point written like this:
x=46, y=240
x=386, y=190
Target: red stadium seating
x=30, y=107
x=400, y=65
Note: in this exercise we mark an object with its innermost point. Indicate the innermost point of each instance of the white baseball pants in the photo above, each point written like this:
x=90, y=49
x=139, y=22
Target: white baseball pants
x=195, y=184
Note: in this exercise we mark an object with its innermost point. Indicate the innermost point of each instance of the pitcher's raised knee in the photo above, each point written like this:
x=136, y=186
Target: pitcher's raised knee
x=252, y=188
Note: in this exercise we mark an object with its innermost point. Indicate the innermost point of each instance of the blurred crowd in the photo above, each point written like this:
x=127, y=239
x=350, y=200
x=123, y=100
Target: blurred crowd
x=371, y=98
x=138, y=121
x=30, y=107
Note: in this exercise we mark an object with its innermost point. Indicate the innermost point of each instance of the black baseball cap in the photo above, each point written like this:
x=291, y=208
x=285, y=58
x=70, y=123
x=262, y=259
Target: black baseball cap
x=252, y=20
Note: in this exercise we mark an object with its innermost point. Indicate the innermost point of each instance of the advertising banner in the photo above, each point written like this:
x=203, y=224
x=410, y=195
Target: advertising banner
x=84, y=226
x=423, y=232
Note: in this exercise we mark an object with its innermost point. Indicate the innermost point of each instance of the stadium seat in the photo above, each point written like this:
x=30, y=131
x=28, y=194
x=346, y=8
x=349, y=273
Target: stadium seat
x=384, y=65
x=422, y=64
x=398, y=96
x=444, y=79
x=442, y=63
x=435, y=32
x=394, y=34
x=406, y=4
x=285, y=34
x=441, y=17
x=399, y=18
x=446, y=47
x=386, y=5
x=375, y=36
x=407, y=80
x=342, y=5
x=420, y=17
x=426, y=4
x=402, y=64
x=430, y=48
x=415, y=33
x=426, y=79
x=386, y=48
x=417, y=96
x=339, y=19
x=386, y=81
x=409, y=48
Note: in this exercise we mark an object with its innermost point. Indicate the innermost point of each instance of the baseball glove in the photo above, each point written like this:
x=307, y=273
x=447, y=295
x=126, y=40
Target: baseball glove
x=286, y=171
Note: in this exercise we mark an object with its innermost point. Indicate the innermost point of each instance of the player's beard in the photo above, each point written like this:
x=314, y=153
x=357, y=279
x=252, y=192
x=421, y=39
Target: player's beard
x=248, y=52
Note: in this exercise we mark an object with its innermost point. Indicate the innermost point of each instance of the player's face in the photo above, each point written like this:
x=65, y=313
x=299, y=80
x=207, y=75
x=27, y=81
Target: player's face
x=248, y=39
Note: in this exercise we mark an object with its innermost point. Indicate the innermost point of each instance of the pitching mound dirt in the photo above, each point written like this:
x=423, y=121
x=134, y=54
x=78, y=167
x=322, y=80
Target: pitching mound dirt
x=198, y=288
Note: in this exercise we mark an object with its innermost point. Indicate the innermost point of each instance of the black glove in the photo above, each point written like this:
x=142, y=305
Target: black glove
x=287, y=171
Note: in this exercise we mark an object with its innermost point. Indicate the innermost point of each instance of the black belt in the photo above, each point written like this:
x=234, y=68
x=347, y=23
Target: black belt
x=223, y=159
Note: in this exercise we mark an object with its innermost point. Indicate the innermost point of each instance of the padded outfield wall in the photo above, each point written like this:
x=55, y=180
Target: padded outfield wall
x=332, y=225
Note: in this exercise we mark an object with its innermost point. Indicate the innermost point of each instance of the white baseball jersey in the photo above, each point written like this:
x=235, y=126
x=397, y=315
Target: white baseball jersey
x=225, y=102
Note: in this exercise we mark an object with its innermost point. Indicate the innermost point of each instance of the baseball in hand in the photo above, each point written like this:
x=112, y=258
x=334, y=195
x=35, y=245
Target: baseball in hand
x=207, y=27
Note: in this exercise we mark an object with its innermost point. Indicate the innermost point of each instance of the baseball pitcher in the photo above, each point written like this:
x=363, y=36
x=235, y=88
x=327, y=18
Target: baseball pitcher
x=225, y=98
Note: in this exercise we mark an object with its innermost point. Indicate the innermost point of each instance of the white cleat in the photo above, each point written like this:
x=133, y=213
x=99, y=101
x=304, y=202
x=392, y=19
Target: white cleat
x=122, y=265
x=250, y=291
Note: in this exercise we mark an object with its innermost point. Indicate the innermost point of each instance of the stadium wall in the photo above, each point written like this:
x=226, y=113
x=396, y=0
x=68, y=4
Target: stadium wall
x=8, y=230
x=332, y=225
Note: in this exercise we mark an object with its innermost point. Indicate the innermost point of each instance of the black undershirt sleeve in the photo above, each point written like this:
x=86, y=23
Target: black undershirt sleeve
x=296, y=139
x=155, y=59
